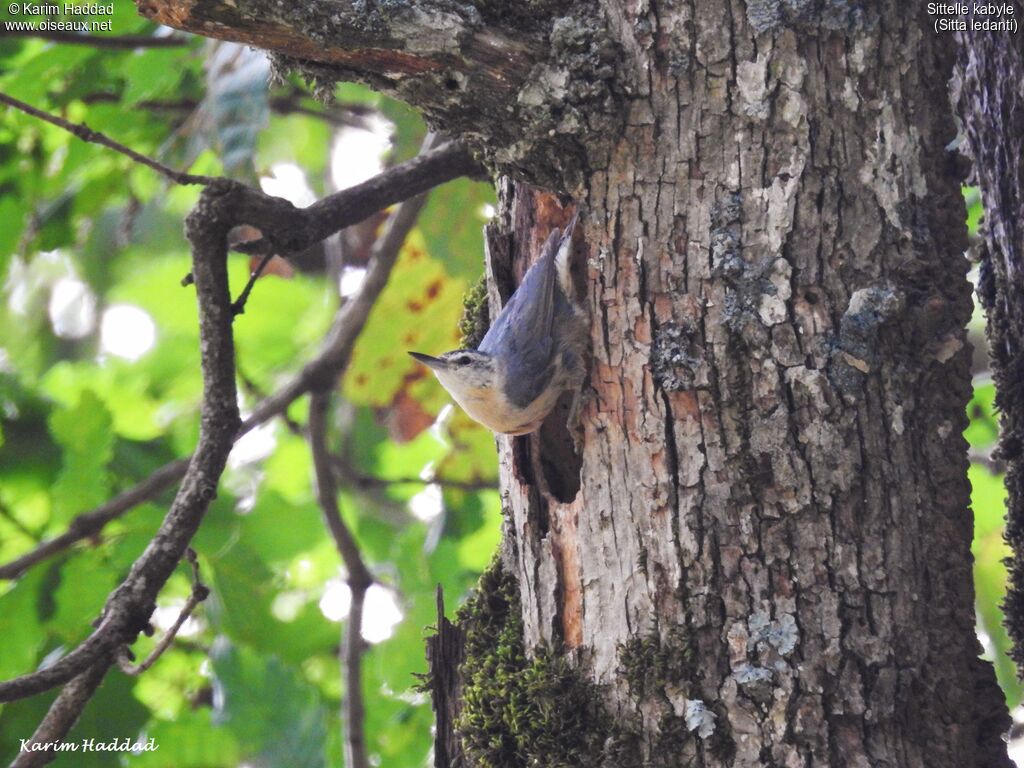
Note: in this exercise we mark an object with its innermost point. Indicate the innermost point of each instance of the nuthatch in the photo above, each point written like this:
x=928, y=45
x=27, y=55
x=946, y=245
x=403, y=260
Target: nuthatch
x=532, y=353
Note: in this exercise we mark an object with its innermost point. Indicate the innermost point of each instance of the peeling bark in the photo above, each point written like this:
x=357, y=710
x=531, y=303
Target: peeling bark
x=445, y=654
x=756, y=540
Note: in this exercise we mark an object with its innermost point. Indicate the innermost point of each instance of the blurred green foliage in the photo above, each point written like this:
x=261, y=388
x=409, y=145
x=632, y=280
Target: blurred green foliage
x=100, y=385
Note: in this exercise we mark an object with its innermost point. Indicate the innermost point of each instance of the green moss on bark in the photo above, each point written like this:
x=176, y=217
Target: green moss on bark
x=475, y=315
x=650, y=665
x=519, y=711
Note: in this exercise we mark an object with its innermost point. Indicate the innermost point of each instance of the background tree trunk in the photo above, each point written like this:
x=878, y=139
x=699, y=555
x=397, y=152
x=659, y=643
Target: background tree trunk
x=760, y=547
x=989, y=69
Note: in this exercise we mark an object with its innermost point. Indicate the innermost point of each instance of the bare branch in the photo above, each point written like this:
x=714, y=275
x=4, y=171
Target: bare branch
x=290, y=230
x=385, y=254
x=62, y=716
x=85, y=133
x=352, y=651
x=431, y=168
x=123, y=42
x=129, y=607
x=199, y=593
x=337, y=114
x=221, y=206
x=359, y=580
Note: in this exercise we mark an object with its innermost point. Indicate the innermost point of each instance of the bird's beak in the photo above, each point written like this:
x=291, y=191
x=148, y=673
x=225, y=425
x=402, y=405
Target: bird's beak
x=427, y=360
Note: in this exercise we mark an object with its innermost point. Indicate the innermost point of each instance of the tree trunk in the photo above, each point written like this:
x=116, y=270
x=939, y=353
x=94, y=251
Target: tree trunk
x=754, y=547
x=772, y=479
x=990, y=69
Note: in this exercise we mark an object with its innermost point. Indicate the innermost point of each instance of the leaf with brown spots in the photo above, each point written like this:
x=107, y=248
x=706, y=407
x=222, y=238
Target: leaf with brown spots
x=418, y=311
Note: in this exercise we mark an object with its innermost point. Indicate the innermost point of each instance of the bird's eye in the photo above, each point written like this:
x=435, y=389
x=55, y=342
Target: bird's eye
x=462, y=360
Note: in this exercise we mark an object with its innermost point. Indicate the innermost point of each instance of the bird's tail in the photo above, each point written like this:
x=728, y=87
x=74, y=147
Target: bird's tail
x=563, y=258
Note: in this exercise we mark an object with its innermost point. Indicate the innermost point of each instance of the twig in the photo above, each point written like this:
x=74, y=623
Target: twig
x=6, y=514
x=199, y=593
x=448, y=162
x=385, y=254
x=62, y=716
x=287, y=229
x=85, y=133
x=125, y=42
x=238, y=306
x=91, y=523
x=153, y=105
x=339, y=114
x=359, y=580
x=255, y=391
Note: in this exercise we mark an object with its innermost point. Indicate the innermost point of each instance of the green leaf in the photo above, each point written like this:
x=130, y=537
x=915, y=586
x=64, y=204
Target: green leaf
x=84, y=431
x=152, y=74
x=988, y=501
x=47, y=70
x=452, y=225
x=975, y=210
x=86, y=580
x=277, y=530
x=14, y=213
x=477, y=549
x=192, y=740
x=20, y=625
x=284, y=320
x=409, y=128
x=122, y=388
x=276, y=716
x=296, y=139
x=429, y=302
x=287, y=471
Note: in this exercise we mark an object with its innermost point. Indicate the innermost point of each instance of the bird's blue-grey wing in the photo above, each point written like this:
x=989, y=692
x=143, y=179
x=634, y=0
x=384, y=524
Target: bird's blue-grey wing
x=521, y=336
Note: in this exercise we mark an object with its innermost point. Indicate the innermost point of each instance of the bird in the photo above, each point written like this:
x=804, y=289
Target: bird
x=532, y=353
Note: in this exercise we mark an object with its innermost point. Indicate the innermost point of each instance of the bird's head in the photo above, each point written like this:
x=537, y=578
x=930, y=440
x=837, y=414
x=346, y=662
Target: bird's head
x=467, y=374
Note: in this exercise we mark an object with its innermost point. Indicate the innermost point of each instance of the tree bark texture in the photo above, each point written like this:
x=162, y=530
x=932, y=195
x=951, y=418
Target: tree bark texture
x=990, y=68
x=773, y=473
x=755, y=541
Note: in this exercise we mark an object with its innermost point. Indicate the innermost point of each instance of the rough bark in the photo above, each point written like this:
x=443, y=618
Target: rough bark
x=990, y=68
x=756, y=540
x=523, y=83
x=772, y=466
